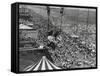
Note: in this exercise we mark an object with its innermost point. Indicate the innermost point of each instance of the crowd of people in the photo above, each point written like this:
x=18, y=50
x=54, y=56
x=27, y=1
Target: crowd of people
x=60, y=47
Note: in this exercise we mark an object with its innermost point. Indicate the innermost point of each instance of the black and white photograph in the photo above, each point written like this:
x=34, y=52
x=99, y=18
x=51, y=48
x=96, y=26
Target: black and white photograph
x=56, y=38
x=49, y=38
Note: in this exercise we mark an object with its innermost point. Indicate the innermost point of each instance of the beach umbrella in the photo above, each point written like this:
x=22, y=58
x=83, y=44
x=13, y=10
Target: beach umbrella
x=43, y=64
